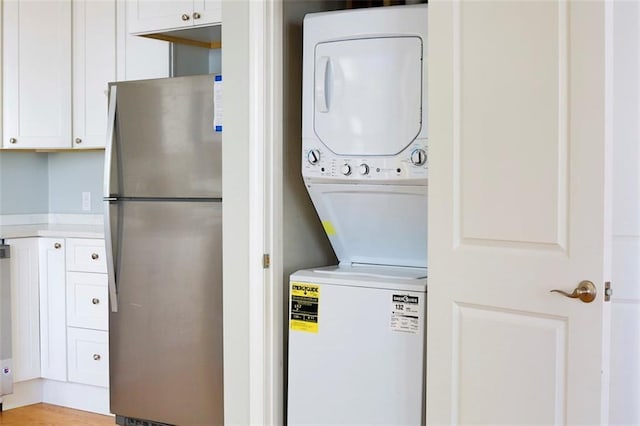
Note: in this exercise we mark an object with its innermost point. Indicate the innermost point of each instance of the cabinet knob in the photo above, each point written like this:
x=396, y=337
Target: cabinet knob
x=185, y=17
x=96, y=357
x=13, y=140
x=95, y=301
x=57, y=245
x=78, y=140
x=94, y=256
x=196, y=15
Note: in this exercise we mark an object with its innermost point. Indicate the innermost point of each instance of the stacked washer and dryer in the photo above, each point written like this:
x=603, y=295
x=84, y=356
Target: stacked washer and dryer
x=357, y=329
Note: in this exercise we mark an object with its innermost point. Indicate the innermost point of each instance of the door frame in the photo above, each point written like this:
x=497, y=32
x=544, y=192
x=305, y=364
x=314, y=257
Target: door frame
x=253, y=214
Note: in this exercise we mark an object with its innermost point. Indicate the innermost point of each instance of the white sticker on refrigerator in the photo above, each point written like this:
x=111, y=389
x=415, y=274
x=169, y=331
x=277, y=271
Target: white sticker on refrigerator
x=405, y=313
x=217, y=103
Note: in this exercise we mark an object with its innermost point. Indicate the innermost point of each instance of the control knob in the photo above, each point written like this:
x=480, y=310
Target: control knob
x=364, y=169
x=313, y=156
x=418, y=157
x=346, y=170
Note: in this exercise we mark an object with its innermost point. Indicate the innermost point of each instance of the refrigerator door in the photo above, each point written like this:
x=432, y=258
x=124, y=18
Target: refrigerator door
x=164, y=143
x=166, y=338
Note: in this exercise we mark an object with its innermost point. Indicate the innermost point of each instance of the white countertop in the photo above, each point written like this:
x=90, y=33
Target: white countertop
x=52, y=230
x=51, y=226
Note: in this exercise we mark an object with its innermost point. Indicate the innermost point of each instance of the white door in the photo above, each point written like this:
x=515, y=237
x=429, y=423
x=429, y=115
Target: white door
x=144, y=16
x=518, y=206
x=53, y=324
x=36, y=74
x=94, y=66
x=25, y=308
x=207, y=12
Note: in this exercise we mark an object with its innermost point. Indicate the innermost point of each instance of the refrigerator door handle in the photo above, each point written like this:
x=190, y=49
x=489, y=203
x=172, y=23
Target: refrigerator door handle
x=109, y=147
x=111, y=269
x=109, y=143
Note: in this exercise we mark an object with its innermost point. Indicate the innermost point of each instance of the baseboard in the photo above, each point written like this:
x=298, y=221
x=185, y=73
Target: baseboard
x=74, y=395
x=24, y=393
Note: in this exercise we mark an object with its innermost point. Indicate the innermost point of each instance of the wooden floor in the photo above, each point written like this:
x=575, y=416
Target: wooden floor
x=52, y=415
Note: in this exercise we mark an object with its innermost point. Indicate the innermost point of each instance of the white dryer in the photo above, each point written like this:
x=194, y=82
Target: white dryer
x=357, y=330
x=364, y=131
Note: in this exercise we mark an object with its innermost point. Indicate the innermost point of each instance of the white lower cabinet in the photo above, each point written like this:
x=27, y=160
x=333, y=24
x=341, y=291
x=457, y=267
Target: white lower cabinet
x=88, y=358
x=25, y=311
x=53, y=327
x=74, y=321
x=87, y=300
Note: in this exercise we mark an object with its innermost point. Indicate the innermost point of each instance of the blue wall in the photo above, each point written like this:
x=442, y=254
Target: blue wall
x=71, y=174
x=24, y=183
x=38, y=183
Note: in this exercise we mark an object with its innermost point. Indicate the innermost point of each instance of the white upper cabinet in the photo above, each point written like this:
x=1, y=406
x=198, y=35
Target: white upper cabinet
x=94, y=66
x=149, y=16
x=139, y=58
x=36, y=74
x=58, y=59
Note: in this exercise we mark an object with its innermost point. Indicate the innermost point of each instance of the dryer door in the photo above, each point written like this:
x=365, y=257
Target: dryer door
x=374, y=224
x=368, y=94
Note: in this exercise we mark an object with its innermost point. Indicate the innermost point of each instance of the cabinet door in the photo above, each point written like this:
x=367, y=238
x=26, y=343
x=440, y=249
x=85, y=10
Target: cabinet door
x=87, y=300
x=25, y=318
x=147, y=16
x=86, y=255
x=53, y=345
x=37, y=74
x=138, y=58
x=94, y=66
x=88, y=356
x=207, y=12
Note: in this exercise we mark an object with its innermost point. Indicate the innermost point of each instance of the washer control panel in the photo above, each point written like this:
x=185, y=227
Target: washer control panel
x=318, y=162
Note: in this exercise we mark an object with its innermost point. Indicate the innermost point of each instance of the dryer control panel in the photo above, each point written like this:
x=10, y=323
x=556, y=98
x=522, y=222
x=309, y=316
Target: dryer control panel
x=410, y=166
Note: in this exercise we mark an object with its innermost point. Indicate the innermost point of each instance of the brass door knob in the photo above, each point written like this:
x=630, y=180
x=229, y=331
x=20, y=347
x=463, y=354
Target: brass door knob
x=585, y=291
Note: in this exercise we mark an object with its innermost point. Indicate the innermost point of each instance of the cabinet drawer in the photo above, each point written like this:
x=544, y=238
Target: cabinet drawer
x=87, y=300
x=86, y=255
x=88, y=356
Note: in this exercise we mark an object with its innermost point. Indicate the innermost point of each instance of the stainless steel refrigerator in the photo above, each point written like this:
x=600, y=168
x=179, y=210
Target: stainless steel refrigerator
x=163, y=227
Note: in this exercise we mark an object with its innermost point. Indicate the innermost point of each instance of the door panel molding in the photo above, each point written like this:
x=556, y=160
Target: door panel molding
x=479, y=187
x=502, y=339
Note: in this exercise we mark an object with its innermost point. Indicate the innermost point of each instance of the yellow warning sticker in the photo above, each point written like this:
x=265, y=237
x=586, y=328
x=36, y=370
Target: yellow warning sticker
x=305, y=299
x=328, y=227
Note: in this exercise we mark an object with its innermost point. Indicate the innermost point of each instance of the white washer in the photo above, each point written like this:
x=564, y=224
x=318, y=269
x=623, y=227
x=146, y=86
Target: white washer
x=356, y=346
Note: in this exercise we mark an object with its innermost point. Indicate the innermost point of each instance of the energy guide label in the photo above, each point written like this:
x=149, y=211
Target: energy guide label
x=405, y=313
x=305, y=299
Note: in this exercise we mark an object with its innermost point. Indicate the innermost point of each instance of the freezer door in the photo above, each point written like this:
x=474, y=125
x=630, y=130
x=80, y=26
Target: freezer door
x=166, y=337
x=164, y=142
